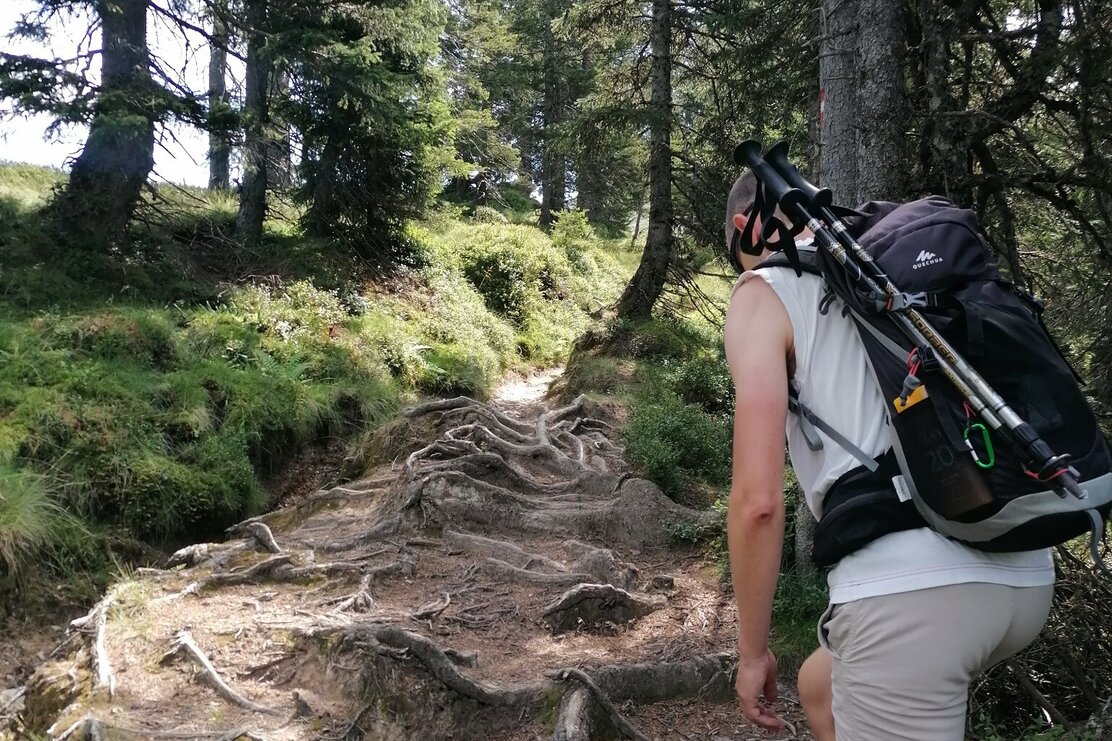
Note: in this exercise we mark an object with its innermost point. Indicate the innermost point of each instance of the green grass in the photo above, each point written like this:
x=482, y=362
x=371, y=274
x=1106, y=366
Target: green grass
x=145, y=394
x=669, y=376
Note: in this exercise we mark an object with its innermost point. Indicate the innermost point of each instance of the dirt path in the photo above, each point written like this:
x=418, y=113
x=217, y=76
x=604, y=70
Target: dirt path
x=504, y=578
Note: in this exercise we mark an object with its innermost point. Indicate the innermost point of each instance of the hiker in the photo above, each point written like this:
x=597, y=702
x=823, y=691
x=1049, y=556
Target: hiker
x=913, y=616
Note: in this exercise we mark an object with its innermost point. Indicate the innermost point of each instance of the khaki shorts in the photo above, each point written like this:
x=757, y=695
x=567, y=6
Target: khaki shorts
x=902, y=663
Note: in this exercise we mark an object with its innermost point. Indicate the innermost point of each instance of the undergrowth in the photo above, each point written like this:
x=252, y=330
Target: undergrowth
x=669, y=377
x=145, y=395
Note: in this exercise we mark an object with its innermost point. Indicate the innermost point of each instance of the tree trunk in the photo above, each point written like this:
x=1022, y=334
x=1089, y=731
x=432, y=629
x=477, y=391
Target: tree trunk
x=589, y=190
x=643, y=290
x=318, y=220
x=107, y=178
x=946, y=167
x=219, y=146
x=838, y=98
x=804, y=536
x=881, y=118
x=590, y=186
x=553, y=165
x=280, y=167
x=640, y=213
x=252, y=198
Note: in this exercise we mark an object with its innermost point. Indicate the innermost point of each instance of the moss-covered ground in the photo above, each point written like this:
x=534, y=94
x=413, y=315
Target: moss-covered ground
x=145, y=395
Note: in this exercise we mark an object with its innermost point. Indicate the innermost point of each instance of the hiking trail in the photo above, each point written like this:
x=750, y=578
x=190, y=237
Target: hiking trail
x=505, y=577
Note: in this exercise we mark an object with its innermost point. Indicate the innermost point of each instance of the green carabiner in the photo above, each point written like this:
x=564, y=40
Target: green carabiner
x=988, y=446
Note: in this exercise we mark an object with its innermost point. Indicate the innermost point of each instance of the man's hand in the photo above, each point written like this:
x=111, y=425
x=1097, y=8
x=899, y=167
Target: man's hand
x=756, y=677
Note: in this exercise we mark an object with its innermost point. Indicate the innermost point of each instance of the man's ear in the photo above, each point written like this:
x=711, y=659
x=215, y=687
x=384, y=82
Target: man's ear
x=740, y=220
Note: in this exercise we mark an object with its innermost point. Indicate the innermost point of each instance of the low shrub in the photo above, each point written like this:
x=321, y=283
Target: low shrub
x=677, y=443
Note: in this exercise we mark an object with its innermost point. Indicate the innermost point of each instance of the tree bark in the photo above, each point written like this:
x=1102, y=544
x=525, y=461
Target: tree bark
x=108, y=176
x=252, y=199
x=946, y=167
x=319, y=216
x=280, y=167
x=838, y=98
x=218, y=102
x=553, y=164
x=804, y=536
x=881, y=118
x=644, y=289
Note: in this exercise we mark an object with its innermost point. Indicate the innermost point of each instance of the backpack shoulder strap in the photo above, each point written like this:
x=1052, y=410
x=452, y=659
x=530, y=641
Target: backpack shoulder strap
x=808, y=421
x=808, y=261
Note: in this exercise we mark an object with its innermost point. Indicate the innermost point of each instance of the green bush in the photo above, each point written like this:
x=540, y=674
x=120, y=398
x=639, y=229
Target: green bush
x=488, y=215
x=676, y=443
x=704, y=380
x=451, y=370
x=504, y=280
x=664, y=339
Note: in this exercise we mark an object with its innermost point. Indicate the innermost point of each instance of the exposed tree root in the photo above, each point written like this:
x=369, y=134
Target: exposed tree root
x=280, y=569
x=192, y=555
x=381, y=531
x=262, y=535
x=591, y=606
x=309, y=506
x=184, y=643
x=708, y=676
x=87, y=728
x=514, y=575
x=510, y=553
x=575, y=720
x=432, y=609
x=250, y=575
x=602, y=564
x=462, y=407
x=470, y=659
x=623, y=725
x=638, y=514
x=95, y=623
x=360, y=601
x=705, y=676
x=397, y=643
x=219, y=553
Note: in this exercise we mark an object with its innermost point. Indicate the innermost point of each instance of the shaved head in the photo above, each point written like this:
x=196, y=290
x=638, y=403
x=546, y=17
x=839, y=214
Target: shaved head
x=741, y=198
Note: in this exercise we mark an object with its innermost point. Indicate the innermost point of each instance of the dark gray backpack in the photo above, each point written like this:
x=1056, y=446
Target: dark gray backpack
x=944, y=469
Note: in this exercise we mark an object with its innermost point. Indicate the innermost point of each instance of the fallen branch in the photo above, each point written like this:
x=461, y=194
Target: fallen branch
x=184, y=643
x=623, y=725
x=1019, y=671
x=12, y=700
x=98, y=618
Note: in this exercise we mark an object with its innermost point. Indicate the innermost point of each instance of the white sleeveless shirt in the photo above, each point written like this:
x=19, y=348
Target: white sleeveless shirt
x=833, y=379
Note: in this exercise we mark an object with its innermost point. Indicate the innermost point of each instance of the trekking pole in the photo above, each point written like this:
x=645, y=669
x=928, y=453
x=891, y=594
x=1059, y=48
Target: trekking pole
x=797, y=198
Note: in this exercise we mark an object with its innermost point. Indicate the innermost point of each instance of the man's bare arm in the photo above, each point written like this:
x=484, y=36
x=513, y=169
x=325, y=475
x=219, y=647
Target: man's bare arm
x=758, y=338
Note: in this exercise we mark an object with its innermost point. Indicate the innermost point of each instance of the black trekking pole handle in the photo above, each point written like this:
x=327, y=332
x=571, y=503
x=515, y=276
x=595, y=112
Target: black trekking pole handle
x=816, y=198
x=833, y=235
x=785, y=194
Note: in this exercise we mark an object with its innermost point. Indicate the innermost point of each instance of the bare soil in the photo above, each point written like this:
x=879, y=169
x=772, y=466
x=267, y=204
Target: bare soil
x=505, y=578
